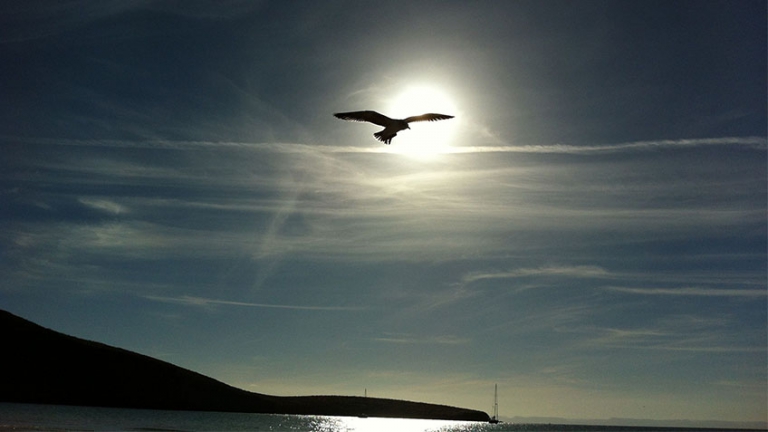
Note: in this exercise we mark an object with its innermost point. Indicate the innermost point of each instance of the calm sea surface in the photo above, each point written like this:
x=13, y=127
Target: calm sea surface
x=23, y=417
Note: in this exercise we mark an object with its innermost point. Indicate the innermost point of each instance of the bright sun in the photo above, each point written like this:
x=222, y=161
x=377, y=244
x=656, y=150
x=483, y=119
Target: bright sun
x=425, y=140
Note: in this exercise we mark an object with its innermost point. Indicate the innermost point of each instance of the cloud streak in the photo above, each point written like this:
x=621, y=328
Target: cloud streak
x=757, y=143
x=207, y=302
x=416, y=340
x=692, y=291
x=753, y=142
x=561, y=271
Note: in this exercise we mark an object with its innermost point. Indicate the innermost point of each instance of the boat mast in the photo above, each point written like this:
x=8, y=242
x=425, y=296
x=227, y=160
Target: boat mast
x=495, y=401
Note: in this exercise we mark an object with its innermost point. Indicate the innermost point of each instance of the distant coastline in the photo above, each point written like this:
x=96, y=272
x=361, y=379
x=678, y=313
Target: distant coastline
x=42, y=366
x=713, y=425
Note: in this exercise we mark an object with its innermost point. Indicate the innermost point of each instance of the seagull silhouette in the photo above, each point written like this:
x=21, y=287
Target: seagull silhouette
x=391, y=126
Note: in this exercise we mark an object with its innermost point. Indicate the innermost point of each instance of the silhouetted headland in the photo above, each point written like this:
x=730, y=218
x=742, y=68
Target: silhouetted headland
x=43, y=366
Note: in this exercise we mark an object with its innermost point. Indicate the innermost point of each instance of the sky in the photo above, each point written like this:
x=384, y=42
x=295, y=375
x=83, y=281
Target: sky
x=588, y=232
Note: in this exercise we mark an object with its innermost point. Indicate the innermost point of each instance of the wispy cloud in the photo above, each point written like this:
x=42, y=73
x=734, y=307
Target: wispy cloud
x=422, y=340
x=692, y=291
x=562, y=316
x=750, y=142
x=560, y=271
x=160, y=144
x=298, y=200
x=757, y=143
x=104, y=205
x=205, y=302
x=684, y=333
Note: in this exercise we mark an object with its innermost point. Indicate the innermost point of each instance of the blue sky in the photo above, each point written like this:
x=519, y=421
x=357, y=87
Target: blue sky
x=589, y=232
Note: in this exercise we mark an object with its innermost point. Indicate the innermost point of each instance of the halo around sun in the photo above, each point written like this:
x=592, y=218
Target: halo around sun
x=425, y=140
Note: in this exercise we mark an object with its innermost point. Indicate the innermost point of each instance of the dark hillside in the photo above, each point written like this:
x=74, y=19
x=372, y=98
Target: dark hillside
x=39, y=365
x=44, y=366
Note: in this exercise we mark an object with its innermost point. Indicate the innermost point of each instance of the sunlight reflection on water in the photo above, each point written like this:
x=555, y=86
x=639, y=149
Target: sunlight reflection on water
x=406, y=425
x=40, y=418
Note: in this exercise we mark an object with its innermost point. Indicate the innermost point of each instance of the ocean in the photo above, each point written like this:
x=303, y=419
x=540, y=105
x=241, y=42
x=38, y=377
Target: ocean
x=58, y=418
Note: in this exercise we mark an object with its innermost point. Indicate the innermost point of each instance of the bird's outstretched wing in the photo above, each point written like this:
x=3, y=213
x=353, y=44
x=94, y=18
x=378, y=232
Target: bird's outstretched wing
x=365, y=116
x=428, y=117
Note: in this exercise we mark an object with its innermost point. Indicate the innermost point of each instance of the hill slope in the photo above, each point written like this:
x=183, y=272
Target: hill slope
x=39, y=365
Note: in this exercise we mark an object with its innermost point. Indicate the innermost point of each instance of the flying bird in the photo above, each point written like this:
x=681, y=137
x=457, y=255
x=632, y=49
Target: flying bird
x=391, y=126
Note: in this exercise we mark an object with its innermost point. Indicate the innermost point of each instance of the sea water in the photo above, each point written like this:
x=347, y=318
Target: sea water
x=58, y=418
x=28, y=417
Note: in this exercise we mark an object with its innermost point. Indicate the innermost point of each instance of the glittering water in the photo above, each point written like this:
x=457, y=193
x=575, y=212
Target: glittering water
x=24, y=417
x=49, y=418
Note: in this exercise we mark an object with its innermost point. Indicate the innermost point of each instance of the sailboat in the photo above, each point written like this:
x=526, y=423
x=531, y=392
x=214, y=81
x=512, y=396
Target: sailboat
x=495, y=418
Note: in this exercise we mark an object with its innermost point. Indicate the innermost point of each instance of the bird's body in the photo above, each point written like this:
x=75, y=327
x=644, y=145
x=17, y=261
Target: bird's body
x=391, y=126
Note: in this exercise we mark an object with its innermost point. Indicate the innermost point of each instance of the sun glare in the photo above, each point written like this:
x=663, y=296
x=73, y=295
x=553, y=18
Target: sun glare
x=401, y=425
x=425, y=140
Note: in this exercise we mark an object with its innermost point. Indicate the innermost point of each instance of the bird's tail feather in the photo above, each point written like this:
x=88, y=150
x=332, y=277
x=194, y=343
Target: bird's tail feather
x=385, y=138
